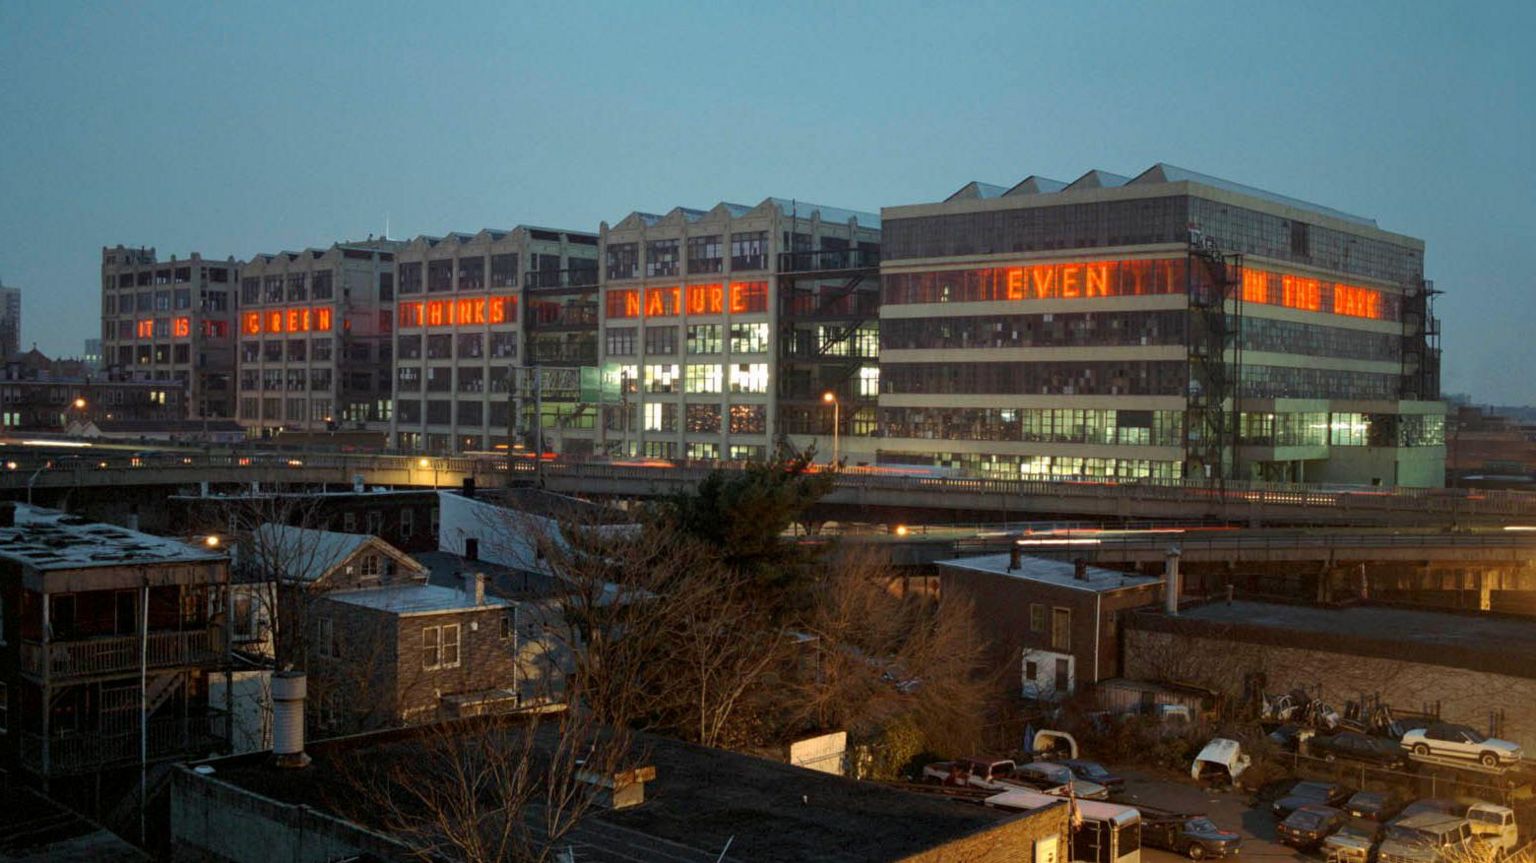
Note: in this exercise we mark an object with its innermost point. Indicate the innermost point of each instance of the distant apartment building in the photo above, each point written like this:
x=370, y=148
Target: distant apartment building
x=316, y=338
x=100, y=628
x=171, y=321
x=474, y=313
x=92, y=355
x=10, y=321
x=725, y=328
x=41, y=394
x=1163, y=327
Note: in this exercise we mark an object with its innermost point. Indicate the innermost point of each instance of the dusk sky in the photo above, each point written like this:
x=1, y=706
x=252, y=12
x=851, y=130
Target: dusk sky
x=234, y=129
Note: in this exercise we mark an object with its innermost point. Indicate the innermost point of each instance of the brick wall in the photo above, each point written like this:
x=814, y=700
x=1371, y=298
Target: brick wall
x=1011, y=841
x=1464, y=696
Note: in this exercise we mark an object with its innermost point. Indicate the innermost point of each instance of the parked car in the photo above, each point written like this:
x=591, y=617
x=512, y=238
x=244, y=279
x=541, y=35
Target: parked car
x=1307, y=826
x=1093, y=771
x=1377, y=806
x=1303, y=793
x=1444, y=740
x=1194, y=836
x=1355, y=842
x=1495, y=825
x=1361, y=747
x=1049, y=773
x=1429, y=804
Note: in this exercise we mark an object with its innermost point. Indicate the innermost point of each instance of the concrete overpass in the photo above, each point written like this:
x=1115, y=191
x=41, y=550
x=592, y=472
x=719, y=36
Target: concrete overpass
x=856, y=497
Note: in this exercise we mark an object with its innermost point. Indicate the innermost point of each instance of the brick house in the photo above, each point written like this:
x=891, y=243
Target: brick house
x=1058, y=619
x=383, y=646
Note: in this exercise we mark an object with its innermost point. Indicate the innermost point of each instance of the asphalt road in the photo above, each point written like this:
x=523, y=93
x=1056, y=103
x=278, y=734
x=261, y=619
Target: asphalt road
x=1229, y=809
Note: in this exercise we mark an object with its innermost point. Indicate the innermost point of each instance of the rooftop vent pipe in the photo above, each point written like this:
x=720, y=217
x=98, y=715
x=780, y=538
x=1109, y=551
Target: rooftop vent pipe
x=288, y=690
x=1080, y=569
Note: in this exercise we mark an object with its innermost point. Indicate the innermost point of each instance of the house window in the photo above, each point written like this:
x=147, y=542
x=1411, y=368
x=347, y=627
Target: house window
x=349, y=522
x=508, y=626
x=440, y=646
x=1061, y=629
x=325, y=634
x=1063, y=676
x=1031, y=671
x=1036, y=617
x=375, y=522
x=370, y=563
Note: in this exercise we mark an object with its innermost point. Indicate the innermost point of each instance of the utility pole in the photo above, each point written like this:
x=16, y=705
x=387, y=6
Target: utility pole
x=538, y=423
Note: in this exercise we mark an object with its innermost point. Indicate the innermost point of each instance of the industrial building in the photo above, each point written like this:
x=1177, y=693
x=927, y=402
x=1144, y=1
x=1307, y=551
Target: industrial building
x=316, y=338
x=1166, y=326
x=474, y=313
x=171, y=321
x=725, y=328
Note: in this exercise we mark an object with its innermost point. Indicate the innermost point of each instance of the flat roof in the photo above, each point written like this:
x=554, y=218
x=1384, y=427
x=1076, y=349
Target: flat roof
x=410, y=599
x=700, y=799
x=1485, y=642
x=47, y=539
x=1057, y=573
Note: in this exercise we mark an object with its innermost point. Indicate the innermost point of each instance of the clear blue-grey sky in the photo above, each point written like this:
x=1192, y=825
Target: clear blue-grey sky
x=237, y=128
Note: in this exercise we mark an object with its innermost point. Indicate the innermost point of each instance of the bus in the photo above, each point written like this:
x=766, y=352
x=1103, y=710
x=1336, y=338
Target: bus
x=1109, y=832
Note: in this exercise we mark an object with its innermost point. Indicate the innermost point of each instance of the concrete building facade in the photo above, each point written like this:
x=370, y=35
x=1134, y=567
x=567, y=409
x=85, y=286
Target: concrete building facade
x=316, y=338
x=475, y=309
x=711, y=352
x=171, y=321
x=1163, y=327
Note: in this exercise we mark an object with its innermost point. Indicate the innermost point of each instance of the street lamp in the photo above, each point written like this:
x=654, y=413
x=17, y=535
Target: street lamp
x=79, y=404
x=837, y=420
x=424, y=463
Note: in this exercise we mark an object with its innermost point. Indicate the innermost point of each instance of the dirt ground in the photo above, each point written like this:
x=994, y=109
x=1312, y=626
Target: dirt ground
x=1229, y=809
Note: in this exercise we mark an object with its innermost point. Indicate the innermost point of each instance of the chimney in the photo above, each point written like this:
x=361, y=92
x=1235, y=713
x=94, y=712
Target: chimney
x=1013, y=555
x=469, y=487
x=1171, y=580
x=471, y=548
x=7, y=513
x=288, y=689
x=474, y=587
x=1080, y=569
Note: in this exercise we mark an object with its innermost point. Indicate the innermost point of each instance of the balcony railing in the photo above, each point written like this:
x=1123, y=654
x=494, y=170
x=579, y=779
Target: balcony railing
x=582, y=278
x=88, y=751
x=828, y=260
x=113, y=654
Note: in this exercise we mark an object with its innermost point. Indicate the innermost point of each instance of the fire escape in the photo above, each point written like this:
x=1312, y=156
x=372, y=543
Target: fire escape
x=1421, y=344
x=1214, y=336
x=829, y=302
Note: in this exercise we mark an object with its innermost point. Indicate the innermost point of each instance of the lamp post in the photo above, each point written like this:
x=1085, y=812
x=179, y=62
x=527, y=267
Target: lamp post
x=425, y=463
x=837, y=421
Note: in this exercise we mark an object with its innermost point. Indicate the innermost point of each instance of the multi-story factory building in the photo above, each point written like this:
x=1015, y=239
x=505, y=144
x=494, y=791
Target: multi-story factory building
x=1172, y=325
x=723, y=329
x=316, y=338
x=475, y=313
x=171, y=321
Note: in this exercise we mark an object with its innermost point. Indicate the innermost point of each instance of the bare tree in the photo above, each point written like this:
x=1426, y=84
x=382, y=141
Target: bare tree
x=879, y=656
x=493, y=790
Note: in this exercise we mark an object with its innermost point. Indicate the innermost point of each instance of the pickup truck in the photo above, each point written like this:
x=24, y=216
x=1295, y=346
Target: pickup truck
x=1000, y=774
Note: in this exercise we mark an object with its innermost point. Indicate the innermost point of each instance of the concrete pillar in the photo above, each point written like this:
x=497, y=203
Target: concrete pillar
x=1171, y=580
x=1485, y=581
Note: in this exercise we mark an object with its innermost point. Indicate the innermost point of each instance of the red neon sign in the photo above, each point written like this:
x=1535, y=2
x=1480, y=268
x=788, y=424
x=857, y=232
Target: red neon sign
x=464, y=312
x=145, y=329
x=181, y=327
x=299, y=319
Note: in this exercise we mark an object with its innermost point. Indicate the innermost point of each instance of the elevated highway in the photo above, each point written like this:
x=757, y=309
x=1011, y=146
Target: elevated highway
x=856, y=497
